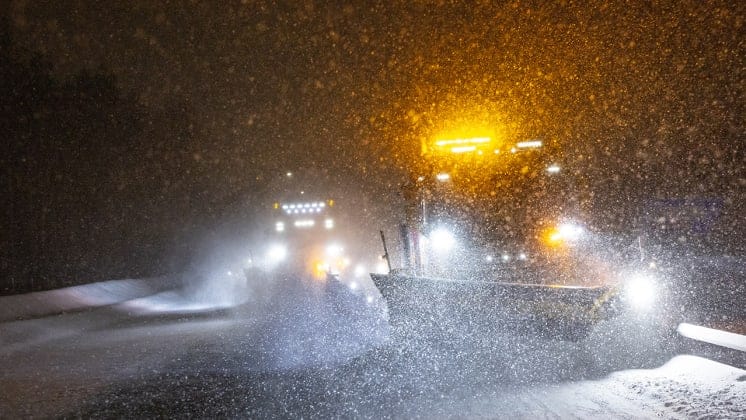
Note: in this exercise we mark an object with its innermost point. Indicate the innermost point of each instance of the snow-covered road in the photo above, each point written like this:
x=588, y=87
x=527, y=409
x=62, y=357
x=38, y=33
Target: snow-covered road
x=327, y=353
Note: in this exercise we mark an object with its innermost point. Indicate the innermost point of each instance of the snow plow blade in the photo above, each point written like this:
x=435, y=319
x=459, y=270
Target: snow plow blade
x=459, y=306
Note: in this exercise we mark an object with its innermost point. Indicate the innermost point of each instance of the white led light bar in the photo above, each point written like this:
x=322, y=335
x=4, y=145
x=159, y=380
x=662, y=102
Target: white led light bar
x=299, y=208
x=304, y=223
x=532, y=144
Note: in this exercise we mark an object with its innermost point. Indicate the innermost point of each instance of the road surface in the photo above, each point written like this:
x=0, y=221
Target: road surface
x=320, y=353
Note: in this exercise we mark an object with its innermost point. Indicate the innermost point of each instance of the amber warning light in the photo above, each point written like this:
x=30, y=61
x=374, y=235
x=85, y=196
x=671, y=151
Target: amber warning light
x=463, y=145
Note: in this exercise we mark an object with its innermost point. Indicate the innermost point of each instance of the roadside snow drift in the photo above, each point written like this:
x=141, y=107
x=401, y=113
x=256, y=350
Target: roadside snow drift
x=76, y=298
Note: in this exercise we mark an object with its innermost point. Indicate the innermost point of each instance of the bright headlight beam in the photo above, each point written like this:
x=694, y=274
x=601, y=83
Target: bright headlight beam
x=359, y=271
x=277, y=253
x=381, y=268
x=334, y=250
x=568, y=232
x=442, y=240
x=641, y=291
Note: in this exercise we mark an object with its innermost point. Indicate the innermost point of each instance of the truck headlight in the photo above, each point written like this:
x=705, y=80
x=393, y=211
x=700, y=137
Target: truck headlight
x=334, y=250
x=359, y=270
x=641, y=291
x=442, y=240
x=277, y=253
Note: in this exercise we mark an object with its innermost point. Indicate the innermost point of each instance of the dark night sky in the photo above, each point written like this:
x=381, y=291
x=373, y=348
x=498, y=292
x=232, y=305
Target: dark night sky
x=642, y=98
x=263, y=77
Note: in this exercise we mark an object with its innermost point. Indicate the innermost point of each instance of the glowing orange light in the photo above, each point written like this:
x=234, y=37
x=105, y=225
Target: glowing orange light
x=469, y=141
x=463, y=149
x=320, y=269
x=463, y=145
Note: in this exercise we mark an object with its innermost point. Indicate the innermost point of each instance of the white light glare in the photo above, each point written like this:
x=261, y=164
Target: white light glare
x=532, y=144
x=381, y=267
x=304, y=223
x=442, y=240
x=277, y=253
x=570, y=231
x=329, y=223
x=359, y=270
x=641, y=291
x=443, y=177
x=280, y=227
x=553, y=169
x=334, y=250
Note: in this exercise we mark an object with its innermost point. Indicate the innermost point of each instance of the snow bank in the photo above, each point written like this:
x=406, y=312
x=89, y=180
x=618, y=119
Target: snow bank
x=76, y=298
x=684, y=387
x=692, y=386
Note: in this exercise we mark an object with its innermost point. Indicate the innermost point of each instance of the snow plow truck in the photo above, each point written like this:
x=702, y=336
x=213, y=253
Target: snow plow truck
x=492, y=238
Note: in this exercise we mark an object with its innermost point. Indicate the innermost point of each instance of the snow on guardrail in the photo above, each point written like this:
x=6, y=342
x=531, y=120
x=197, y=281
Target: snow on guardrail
x=712, y=336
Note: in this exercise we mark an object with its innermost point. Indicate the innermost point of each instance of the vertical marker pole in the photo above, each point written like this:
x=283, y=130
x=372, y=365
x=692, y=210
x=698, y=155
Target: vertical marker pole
x=385, y=251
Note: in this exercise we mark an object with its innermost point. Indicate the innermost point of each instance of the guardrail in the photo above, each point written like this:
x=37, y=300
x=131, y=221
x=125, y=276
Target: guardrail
x=722, y=346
